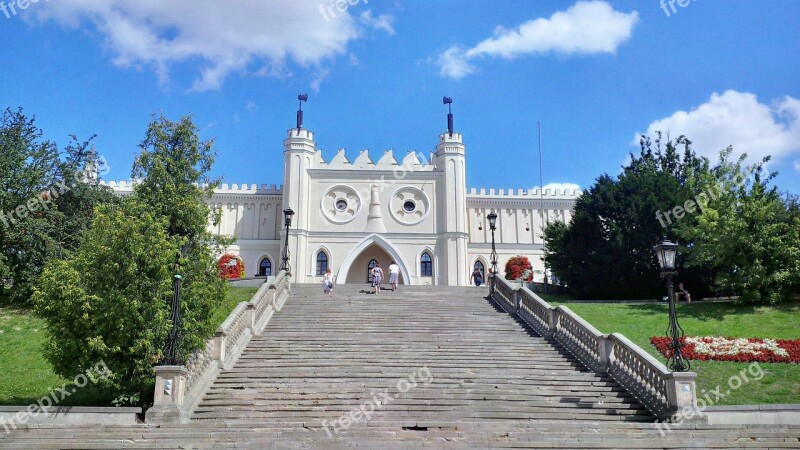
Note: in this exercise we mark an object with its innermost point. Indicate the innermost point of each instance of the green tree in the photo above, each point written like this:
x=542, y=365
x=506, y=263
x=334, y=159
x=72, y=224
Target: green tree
x=606, y=251
x=106, y=301
x=172, y=171
x=747, y=232
x=111, y=300
x=45, y=202
x=28, y=166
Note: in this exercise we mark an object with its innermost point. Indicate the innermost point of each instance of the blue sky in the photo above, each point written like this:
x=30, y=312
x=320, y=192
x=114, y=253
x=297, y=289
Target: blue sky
x=593, y=73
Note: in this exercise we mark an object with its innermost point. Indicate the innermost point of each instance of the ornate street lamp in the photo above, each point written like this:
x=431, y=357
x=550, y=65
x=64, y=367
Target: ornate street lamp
x=666, y=253
x=492, y=226
x=172, y=355
x=287, y=214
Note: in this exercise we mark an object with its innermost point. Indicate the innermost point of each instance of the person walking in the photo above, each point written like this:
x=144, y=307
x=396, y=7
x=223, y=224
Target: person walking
x=394, y=274
x=477, y=277
x=328, y=281
x=377, y=278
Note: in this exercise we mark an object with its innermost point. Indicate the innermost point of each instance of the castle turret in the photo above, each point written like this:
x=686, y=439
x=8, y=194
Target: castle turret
x=450, y=158
x=299, y=149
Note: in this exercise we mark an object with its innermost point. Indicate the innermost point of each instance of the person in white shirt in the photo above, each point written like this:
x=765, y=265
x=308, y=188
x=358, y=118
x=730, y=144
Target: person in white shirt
x=328, y=282
x=394, y=274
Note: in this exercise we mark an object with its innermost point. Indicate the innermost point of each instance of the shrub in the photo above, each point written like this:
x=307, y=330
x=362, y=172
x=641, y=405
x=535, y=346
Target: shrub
x=106, y=302
x=231, y=267
x=519, y=268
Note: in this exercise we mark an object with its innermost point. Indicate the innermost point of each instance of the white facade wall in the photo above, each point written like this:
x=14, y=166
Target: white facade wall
x=394, y=209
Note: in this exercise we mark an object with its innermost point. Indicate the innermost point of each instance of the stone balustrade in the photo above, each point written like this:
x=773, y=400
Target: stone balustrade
x=663, y=392
x=179, y=389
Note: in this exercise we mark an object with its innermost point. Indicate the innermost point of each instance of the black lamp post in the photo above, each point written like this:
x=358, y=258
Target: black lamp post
x=666, y=252
x=172, y=355
x=287, y=214
x=492, y=226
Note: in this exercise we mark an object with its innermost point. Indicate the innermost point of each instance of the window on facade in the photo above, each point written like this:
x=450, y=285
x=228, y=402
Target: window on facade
x=370, y=266
x=426, y=265
x=479, y=266
x=265, y=268
x=322, y=263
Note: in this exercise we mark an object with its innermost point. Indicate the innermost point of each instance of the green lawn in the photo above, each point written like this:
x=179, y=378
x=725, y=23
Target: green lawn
x=25, y=376
x=640, y=322
x=234, y=297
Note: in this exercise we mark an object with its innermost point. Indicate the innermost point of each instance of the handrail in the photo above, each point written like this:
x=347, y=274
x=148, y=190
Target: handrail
x=179, y=389
x=647, y=379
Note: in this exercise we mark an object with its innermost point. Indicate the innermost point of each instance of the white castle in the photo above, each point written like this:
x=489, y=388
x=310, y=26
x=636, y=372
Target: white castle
x=350, y=215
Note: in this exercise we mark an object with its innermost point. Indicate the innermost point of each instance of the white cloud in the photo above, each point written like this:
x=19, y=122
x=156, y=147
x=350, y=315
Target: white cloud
x=382, y=22
x=454, y=64
x=737, y=119
x=319, y=77
x=797, y=165
x=585, y=28
x=251, y=106
x=261, y=36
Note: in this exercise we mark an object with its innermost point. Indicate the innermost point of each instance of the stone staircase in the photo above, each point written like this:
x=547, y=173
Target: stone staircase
x=324, y=356
x=431, y=367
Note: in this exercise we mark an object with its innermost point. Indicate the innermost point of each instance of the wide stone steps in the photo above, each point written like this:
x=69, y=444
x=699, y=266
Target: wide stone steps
x=324, y=356
x=493, y=383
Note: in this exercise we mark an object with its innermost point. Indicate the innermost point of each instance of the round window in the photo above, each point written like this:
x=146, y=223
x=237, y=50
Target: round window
x=409, y=206
x=341, y=204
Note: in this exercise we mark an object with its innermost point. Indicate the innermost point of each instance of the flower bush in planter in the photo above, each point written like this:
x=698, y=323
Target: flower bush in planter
x=231, y=267
x=519, y=268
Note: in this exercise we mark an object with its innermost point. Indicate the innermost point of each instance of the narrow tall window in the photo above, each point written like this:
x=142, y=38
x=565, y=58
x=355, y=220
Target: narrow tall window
x=322, y=263
x=265, y=268
x=426, y=265
x=370, y=266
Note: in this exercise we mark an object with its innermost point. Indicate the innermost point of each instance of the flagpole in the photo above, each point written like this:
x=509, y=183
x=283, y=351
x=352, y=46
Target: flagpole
x=541, y=201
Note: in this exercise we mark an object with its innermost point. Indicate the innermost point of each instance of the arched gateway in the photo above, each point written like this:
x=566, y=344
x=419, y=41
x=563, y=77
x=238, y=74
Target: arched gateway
x=354, y=267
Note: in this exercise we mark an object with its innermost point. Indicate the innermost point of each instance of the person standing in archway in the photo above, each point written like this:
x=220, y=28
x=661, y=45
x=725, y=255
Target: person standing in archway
x=394, y=275
x=377, y=278
x=477, y=277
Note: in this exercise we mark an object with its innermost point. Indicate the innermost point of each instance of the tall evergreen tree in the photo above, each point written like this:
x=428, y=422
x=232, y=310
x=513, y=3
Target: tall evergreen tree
x=606, y=251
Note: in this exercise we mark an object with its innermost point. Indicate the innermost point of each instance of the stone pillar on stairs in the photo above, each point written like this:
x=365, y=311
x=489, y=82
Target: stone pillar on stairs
x=170, y=396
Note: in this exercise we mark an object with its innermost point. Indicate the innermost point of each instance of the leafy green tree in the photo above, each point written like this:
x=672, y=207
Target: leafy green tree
x=45, y=202
x=747, y=231
x=28, y=166
x=111, y=300
x=106, y=301
x=606, y=251
x=172, y=171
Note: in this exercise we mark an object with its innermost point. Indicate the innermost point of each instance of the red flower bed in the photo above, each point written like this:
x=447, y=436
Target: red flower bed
x=231, y=267
x=733, y=349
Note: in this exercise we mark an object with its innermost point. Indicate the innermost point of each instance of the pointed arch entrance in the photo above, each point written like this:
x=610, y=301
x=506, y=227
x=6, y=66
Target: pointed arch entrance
x=354, y=266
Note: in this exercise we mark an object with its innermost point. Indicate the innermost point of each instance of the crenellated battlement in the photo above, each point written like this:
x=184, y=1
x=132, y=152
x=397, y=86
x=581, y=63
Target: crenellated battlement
x=255, y=189
x=302, y=133
x=412, y=161
x=123, y=187
x=525, y=193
